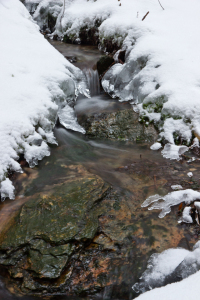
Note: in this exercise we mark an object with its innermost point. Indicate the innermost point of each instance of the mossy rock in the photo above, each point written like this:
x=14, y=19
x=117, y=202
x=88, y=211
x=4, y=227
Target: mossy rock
x=104, y=63
x=49, y=228
x=121, y=125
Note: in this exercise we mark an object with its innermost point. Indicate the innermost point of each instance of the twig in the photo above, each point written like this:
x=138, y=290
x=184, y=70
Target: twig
x=161, y=5
x=155, y=183
x=145, y=16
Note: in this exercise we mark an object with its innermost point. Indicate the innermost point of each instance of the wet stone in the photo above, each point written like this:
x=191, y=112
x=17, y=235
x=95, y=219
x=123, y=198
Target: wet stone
x=104, y=63
x=122, y=125
x=50, y=228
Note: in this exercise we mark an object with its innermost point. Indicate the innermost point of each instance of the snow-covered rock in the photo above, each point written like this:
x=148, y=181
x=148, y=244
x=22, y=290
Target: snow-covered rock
x=170, y=266
x=47, y=12
x=31, y=5
x=36, y=83
x=160, y=265
x=184, y=290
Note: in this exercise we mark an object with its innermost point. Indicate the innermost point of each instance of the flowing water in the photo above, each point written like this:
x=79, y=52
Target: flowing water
x=134, y=173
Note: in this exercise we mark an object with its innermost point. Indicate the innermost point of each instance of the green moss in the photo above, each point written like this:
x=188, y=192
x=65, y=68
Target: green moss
x=116, y=205
x=160, y=228
x=152, y=240
x=104, y=63
x=147, y=227
x=102, y=278
x=59, y=217
x=133, y=228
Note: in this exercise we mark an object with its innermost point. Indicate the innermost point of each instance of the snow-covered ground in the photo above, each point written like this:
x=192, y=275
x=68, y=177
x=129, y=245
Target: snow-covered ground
x=161, y=73
x=36, y=83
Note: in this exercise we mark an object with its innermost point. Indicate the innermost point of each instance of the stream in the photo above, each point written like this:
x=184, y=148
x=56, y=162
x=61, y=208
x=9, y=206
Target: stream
x=106, y=265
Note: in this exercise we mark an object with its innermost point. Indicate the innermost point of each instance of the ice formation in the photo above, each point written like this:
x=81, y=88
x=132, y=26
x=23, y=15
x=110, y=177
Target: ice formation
x=173, y=151
x=68, y=119
x=36, y=84
x=171, y=199
x=169, y=266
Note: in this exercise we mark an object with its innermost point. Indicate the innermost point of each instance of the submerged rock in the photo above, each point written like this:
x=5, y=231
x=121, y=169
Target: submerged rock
x=121, y=125
x=52, y=227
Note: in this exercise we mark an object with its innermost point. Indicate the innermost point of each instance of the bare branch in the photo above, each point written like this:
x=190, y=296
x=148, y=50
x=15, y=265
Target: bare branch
x=161, y=5
x=145, y=16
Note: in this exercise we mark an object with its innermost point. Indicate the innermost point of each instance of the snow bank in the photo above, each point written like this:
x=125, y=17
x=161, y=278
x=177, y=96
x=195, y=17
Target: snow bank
x=169, y=266
x=36, y=83
x=160, y=73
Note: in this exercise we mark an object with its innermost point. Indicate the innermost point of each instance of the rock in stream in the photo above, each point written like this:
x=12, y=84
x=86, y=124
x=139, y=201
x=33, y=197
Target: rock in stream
x=120, y=125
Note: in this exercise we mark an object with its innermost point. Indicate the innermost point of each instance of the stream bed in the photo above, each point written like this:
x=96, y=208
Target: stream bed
x=76, y=229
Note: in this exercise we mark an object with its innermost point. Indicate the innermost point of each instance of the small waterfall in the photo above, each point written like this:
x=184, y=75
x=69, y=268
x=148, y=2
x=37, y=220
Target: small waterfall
x=93, y=81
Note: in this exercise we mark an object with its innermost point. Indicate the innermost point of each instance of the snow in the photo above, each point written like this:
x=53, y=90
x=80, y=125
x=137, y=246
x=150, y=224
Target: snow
x=171, y=199
x=45, y=9
x=159, y=266
x=36, y=83
x=179, y=264
x=184, y=290
x=172, y=151
x=197, y=205
x=189, y=174
x=160, y=73
x=156, y=146
x=186, y=217
x=68, y=119
x=176, y=187
x=31, y=5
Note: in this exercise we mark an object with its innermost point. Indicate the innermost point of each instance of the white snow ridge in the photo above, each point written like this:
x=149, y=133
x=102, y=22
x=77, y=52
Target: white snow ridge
x=36, y=82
